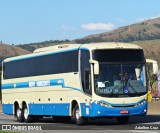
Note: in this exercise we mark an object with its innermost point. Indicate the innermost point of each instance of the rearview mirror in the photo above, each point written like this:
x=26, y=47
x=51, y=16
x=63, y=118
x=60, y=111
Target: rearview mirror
x=155, y=68
x=138, y=71
x=154, y=65
x=96, y=66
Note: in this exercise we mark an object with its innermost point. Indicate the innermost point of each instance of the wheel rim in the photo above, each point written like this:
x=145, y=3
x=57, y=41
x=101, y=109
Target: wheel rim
x=77, y=114
x=25, y=113
x=18, y=113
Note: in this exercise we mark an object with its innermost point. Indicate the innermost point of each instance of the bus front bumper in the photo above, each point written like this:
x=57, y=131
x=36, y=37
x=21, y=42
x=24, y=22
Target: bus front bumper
x=96, y=110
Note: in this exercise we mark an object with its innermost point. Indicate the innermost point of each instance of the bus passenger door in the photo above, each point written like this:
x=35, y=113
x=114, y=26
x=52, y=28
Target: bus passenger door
x=85, y=72
x=87, y=83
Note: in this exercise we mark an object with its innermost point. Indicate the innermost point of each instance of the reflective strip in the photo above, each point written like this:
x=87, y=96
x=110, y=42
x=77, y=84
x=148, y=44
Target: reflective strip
x=40, y=83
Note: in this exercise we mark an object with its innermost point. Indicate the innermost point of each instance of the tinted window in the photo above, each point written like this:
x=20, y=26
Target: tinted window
x=42, y=65
x=127, y=55
x=85, y=71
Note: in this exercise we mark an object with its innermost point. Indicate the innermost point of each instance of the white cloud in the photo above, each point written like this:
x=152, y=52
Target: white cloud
x=68, y=28
x=98, y=26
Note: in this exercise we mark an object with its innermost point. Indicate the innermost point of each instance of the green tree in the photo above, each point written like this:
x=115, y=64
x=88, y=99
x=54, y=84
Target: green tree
x=152, y=78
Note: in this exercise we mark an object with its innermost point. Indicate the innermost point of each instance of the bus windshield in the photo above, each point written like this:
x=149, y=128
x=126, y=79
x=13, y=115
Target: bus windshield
x=117, y=73
x=120, y=80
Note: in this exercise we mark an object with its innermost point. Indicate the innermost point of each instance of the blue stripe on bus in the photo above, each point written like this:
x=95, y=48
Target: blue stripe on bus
x=53, y=82
x=50, y=109
x=21, y=85
x=42, y=109
x=7, y=86
x=49, y=53
x=7, y=108
x=63, y=109
x=82, y=48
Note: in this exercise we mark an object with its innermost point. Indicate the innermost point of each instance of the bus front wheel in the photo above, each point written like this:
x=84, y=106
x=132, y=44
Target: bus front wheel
x=123, y=119
x=79, y=120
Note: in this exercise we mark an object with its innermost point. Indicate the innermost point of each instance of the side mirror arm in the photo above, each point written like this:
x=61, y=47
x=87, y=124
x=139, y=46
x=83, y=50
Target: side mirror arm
x=96, y=66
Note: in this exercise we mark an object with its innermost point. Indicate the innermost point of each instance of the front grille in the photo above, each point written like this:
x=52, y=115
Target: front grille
x=122, y=106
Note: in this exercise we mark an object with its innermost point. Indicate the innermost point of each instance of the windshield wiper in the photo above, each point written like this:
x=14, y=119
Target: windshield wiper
x=131, y=87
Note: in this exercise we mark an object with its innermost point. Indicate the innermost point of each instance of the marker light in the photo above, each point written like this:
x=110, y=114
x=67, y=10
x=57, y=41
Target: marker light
x=140, y=103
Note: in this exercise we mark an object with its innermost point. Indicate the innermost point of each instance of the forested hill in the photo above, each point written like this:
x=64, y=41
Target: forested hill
x=10, y=51
x=146, y=30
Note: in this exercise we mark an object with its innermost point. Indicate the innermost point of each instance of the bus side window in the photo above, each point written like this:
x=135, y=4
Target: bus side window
x=87, y=80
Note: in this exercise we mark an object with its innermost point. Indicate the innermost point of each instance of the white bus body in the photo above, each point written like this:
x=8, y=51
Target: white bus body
x=64, y=80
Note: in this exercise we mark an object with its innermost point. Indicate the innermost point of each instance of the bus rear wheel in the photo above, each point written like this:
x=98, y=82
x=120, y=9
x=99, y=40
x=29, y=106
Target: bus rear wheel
x=19, y=114
x=79, y=120
x=123, y=119
x=27, y=118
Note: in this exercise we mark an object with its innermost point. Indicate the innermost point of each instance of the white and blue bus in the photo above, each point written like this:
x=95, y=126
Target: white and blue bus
x=77, y=81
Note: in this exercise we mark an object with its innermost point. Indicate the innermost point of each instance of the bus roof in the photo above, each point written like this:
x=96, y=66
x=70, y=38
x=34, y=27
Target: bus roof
x=69, y=47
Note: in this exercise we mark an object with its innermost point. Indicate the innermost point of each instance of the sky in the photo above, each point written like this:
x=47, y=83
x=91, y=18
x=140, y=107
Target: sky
x=29, y=21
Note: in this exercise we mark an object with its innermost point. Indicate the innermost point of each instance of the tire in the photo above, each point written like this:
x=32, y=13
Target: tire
x=123, y=119
x=27, y=118
x=19, y=115
x=79, y=120
x=62, y=118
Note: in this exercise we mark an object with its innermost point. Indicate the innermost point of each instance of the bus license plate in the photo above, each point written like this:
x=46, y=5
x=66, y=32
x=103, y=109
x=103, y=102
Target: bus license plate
x=124, y=112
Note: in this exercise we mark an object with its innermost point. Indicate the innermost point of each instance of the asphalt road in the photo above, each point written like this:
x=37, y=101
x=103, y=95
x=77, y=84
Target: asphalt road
x=98, y=125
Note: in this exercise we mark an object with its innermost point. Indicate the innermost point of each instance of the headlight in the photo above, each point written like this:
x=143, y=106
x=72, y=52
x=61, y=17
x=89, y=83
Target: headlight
x=141, y=103
x=103, y=104
x=108, y=106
